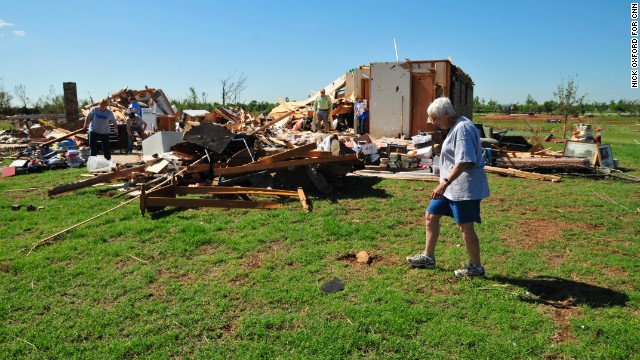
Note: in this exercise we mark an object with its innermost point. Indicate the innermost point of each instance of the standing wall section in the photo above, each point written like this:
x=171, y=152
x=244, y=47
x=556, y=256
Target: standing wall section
x=461, y=94
x=390, y=98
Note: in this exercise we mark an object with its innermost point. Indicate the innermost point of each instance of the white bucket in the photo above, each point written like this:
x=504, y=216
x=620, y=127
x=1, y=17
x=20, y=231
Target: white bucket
x=99, y=164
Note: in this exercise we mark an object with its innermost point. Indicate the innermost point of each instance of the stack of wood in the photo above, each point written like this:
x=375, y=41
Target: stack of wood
x=538, y=157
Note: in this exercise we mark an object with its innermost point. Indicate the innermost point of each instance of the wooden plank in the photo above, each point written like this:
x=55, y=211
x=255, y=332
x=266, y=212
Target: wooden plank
x=303, y=200
x=312, y=153
x=278, y=141
x=271, y=123
x=316, y=154
x=284, y=104
x=521, y=174
x=264, y=139
x=200, y=168
x=301, y=151
x=120, y=174
x=222, y=190
x=283, y=164
x=195, y=203
x=63, y=137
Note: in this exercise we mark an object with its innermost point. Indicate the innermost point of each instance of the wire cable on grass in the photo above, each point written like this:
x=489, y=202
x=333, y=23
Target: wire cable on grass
x=607, y=198
x=48, y=239
x=25, y=341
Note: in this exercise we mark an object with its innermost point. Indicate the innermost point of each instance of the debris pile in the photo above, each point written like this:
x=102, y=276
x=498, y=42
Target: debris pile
x=226, y=155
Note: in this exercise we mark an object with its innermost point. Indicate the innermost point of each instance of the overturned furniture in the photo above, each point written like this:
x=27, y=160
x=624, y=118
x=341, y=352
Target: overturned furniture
x=160, y=198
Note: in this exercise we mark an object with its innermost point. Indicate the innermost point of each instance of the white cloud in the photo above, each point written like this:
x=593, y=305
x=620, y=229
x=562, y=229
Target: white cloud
x=4, y=23
x=20, y=32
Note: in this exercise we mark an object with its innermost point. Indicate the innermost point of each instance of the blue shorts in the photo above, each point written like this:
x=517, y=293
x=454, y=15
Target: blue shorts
x=462, y=212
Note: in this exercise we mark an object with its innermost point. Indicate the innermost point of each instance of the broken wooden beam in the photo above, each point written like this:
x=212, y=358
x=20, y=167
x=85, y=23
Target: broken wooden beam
x=301, y=151
x=152, y=201
x=271, y=123
x=303, y=200
x=521, y=174
x=232, y=190
x=63, y=137
x=120, y=174
x=236, y=170
x=324, y=157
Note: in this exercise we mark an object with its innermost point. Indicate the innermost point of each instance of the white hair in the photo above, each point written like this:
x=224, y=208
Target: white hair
x=439, y=106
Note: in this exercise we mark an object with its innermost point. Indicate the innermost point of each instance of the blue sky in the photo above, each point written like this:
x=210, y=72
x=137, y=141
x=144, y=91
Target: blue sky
x=289, y=48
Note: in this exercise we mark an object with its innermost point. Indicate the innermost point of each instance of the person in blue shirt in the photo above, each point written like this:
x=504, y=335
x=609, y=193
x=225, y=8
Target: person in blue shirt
x=463, y=184
x=99, y=118
x=361, y=111
x=134, y=106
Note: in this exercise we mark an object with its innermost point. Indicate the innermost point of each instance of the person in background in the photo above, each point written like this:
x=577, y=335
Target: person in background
x=99, y=118
x=135, y=124
x=598, y=136
x=361, y=113
x=322, y=107
x=134, y=106
x=463, y=184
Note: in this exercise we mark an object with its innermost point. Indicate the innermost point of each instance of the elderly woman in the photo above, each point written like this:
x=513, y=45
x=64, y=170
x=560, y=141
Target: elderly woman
x=463, y=184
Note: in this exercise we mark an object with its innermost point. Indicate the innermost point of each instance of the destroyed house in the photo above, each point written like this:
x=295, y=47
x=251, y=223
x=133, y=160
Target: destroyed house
x=399, y=93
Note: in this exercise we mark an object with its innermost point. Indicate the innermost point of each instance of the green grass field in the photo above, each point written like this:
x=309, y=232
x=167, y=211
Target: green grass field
x=561, y=259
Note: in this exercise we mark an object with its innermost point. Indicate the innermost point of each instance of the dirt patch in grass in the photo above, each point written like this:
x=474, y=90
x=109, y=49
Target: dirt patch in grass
x=562, y=320
x=183, y=278
x=106, y=193
x=255, y=258
x=208, y=250
x=555, y=259
x=351, y=259
x=530, y=233
x=615, y=272
x=440, y=287
x=121, y=264
x=238, y=281
x=157, y=289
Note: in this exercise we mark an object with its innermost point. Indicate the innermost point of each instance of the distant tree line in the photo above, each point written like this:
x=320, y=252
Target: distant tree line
x=567, y=102
x=551, y=107
x=53, y=103
x=195, y=101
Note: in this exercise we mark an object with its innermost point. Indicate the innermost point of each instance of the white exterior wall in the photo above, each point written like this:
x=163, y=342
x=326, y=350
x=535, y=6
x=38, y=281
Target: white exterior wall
x=390, y=99
x=348, y=87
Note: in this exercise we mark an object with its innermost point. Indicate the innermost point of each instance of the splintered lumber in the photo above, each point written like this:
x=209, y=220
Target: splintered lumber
x=236, y=170
x=517, y=162
x=303, y=199
x=168, y=196
x=271, y=122
x=284, y=104
x=232, y=190
x=63, y=137
x=311, y=154
x=405, y=175
x=195, y=203
x=521, y=174
x=302, y=151
x=120, y=174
